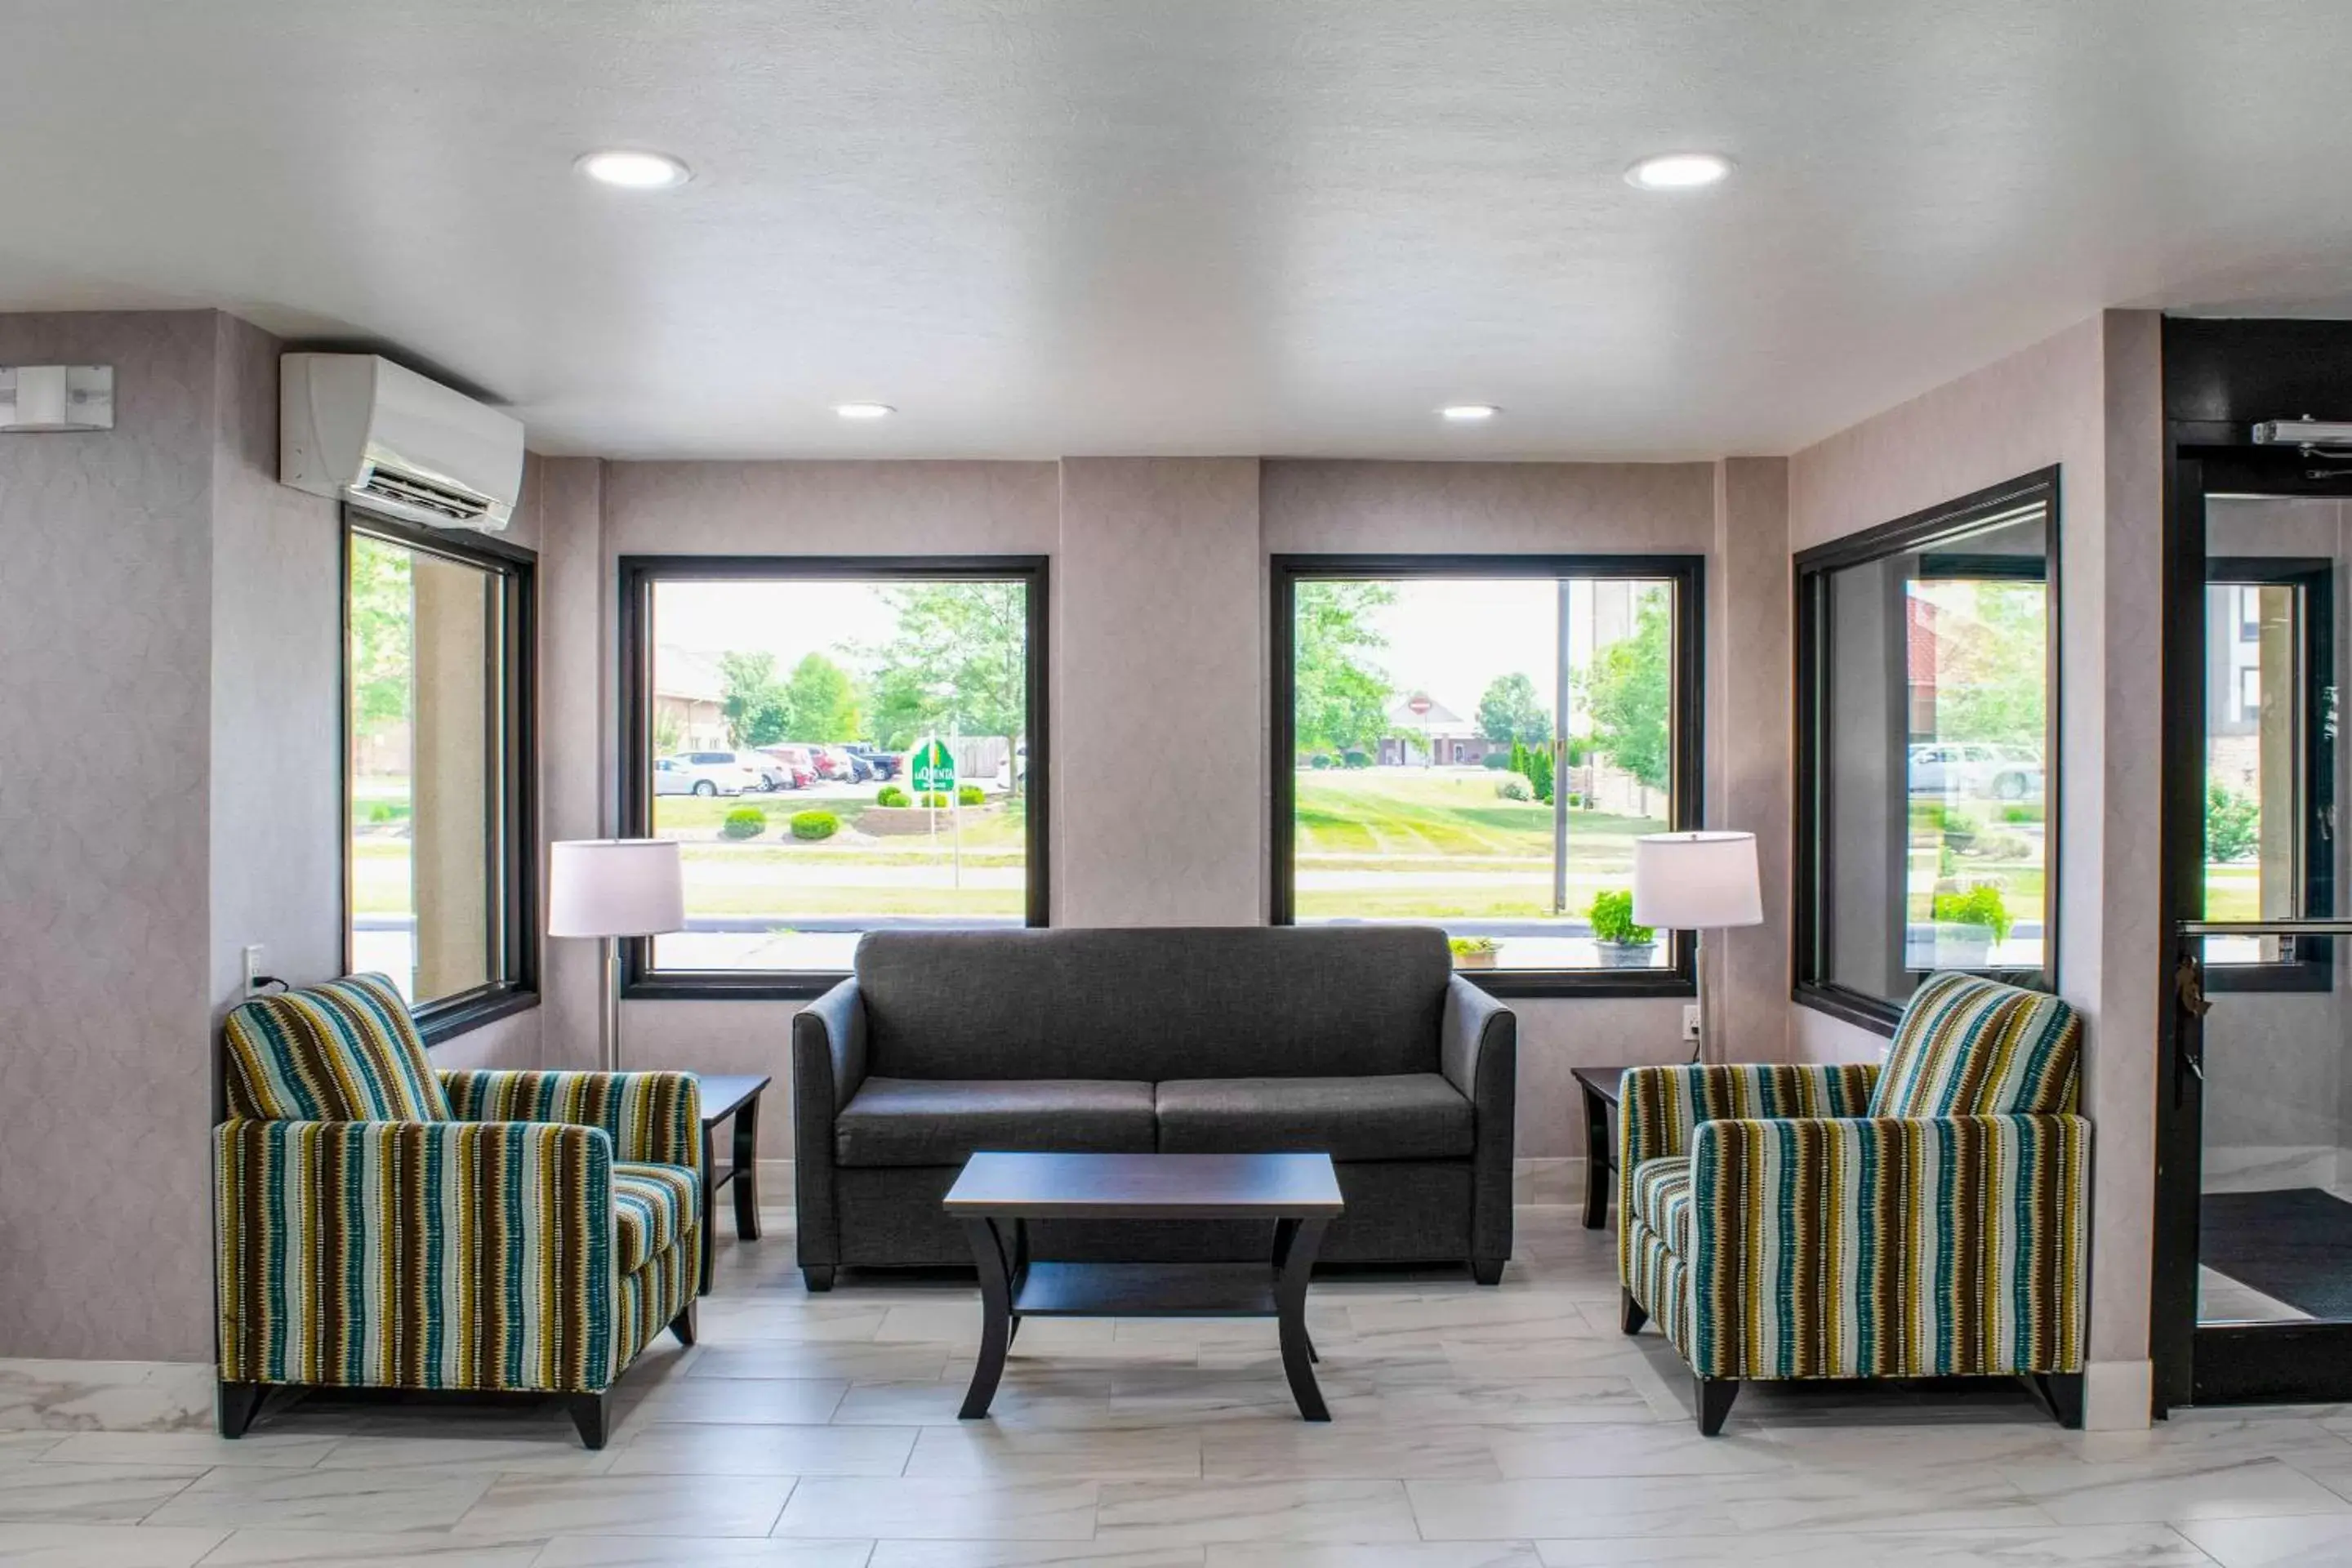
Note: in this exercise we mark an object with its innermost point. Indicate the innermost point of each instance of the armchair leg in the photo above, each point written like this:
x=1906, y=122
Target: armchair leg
x=683, y=1324
x=1715, y=1397
x=816, y=1277
x=1630, y=1313
x=2063, y=1392
x=593, y=1415
x=1487, y=1271
x=235, y=1404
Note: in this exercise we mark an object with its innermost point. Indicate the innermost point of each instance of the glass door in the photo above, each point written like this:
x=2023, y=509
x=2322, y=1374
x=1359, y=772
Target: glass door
x=2256, y=1181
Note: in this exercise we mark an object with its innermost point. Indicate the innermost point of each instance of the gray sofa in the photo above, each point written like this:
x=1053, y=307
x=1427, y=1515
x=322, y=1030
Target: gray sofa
x=1357, y=1040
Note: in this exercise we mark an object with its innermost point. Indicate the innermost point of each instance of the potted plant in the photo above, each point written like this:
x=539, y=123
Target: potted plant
x=1474, y=951
x=1969, y=926
x=1622, y=944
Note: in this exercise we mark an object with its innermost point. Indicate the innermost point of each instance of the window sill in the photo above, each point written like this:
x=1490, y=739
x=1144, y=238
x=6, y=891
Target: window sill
x=1849, y=1007
x=749, y=985
x=444, y=1021
x=1588, y=984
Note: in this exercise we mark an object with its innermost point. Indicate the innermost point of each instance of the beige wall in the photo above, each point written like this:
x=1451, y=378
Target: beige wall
x=2090, y=400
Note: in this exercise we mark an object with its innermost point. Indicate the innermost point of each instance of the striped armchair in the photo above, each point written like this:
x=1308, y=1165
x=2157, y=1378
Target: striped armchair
x=1923, y=1219
x=383, y=1226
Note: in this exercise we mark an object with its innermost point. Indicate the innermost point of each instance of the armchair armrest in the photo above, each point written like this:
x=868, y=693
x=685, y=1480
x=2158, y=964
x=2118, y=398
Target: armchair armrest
x=651, y=1117
x=828, y=1064
x=471, y=1255
x=1946, y=1246
x=1478, y=1052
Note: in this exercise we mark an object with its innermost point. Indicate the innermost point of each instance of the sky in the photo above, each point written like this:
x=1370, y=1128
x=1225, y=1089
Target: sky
x=787, y=620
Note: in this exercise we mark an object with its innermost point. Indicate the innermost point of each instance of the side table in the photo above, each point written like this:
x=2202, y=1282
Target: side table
x=725, y=1095
x=1600, y=1089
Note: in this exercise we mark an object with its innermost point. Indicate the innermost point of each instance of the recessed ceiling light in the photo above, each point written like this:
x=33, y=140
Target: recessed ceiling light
x=1468, y=412
x=864, y=410
x=634, y=171
x=1678, y=171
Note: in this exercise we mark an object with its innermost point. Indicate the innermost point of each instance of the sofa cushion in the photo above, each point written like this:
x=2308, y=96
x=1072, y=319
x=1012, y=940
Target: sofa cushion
x=1662, y=1200
x=653, y=1206
x=1968, y=1047
x=942, y=1121
x=345, y=1051
x=1205, y=1002
x=1393, y=1116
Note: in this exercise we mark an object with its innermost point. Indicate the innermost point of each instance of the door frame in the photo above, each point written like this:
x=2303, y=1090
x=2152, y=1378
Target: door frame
x=2221, y=1363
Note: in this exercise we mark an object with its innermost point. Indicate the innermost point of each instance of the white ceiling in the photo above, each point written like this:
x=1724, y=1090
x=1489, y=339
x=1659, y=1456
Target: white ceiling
x=1179, y=226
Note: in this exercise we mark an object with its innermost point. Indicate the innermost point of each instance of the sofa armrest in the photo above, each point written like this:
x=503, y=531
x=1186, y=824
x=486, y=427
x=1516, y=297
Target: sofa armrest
x=1478, y=1052
x=651, y=1117
x=828, y=1064
x=387, y=1253
x=1854, y=1247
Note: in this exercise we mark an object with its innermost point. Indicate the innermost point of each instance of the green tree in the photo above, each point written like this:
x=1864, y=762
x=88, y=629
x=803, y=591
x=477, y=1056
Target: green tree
x=1341, y=696
x=383, y=634
x=823, y=702
x=1631, y=688
x=758, y=707
x=1509, y=711
x=957, y=664
x=1992, y=670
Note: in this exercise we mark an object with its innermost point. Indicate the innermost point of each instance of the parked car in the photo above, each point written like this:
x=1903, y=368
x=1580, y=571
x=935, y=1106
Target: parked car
x=887, y=766
x=1975, y=768
x=799, y=767
x=837, y=763
x=759, y=768
x=860, y=770
x=682, y=774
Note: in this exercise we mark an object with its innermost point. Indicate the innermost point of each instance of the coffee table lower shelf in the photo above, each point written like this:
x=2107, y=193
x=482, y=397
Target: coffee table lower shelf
x=1145, y=1291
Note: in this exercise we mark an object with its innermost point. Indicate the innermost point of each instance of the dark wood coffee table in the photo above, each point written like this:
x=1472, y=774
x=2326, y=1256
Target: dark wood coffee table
x=1600, y=1089
x=997, y=1195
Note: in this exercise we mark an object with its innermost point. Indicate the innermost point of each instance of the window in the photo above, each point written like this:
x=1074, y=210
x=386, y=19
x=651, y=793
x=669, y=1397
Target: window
x=1925, y=717
x=1475, y=742
x=2270, y=765
x=780, y=715
x=440, y=877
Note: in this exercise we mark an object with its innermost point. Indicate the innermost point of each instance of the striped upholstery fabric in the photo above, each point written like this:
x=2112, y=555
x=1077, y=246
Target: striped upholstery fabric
x=1775, y=1231
x=536, y=1239
x=653, y=1118
x=1968, y=1047
x=341, y=1052
x=653, y=1206
x=415, y=1254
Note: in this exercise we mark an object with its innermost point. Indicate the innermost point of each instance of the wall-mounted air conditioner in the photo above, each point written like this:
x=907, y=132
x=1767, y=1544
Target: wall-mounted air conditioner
x=358, y=427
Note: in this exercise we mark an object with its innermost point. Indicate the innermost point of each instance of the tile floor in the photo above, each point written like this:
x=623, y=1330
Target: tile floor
x=1512, y=1426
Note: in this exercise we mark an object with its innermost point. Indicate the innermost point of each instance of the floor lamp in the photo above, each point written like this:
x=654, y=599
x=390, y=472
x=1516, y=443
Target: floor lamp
x=1696, y=882
x=611, y=888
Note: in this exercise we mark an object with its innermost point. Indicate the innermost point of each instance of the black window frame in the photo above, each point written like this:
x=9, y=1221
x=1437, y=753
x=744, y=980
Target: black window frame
x=2313, y=967
x=1915, y=533
x=1686, y=574
x=513, y=818
x=638, y=576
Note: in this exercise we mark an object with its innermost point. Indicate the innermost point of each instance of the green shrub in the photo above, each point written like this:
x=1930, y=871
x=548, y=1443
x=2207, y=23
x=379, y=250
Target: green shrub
x=1355, y=760
x=2234, y=822
x=936, y=800
x=2021, y=814
x=1612, y=921
x=744, y=822
x=1977, y=906
x=1318, y=760
x=889, y=795
x=814, y=825
x=1498, y=761
x=383, y=811
x=1511, y=787
x=971, y=794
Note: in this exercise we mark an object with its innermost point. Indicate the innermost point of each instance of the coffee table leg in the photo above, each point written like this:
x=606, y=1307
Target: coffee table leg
x=1596, y=1160
x=747, y=1170
x=996, y=1316
x=1294, y=1243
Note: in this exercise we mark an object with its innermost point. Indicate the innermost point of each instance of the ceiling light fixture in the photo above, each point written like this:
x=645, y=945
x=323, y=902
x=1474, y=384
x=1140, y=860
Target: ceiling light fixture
x=1468, y=412
x=1678, y=171
x=864, y=410
x=633, y=171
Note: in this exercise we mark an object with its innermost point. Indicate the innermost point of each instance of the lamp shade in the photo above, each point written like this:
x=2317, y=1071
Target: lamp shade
x=1696, y=881
x=614, y=887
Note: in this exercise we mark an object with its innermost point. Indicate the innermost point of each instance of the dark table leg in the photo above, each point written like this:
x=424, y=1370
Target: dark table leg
x=709, y=1200
x=1596, y=1160
x=747, y=1170
x=996, y=1316
x=1294, y=1243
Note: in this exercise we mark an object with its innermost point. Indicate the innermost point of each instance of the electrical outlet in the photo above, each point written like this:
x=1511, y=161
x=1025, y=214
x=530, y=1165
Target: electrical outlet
x=1690, y=1020
x=253, y=956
